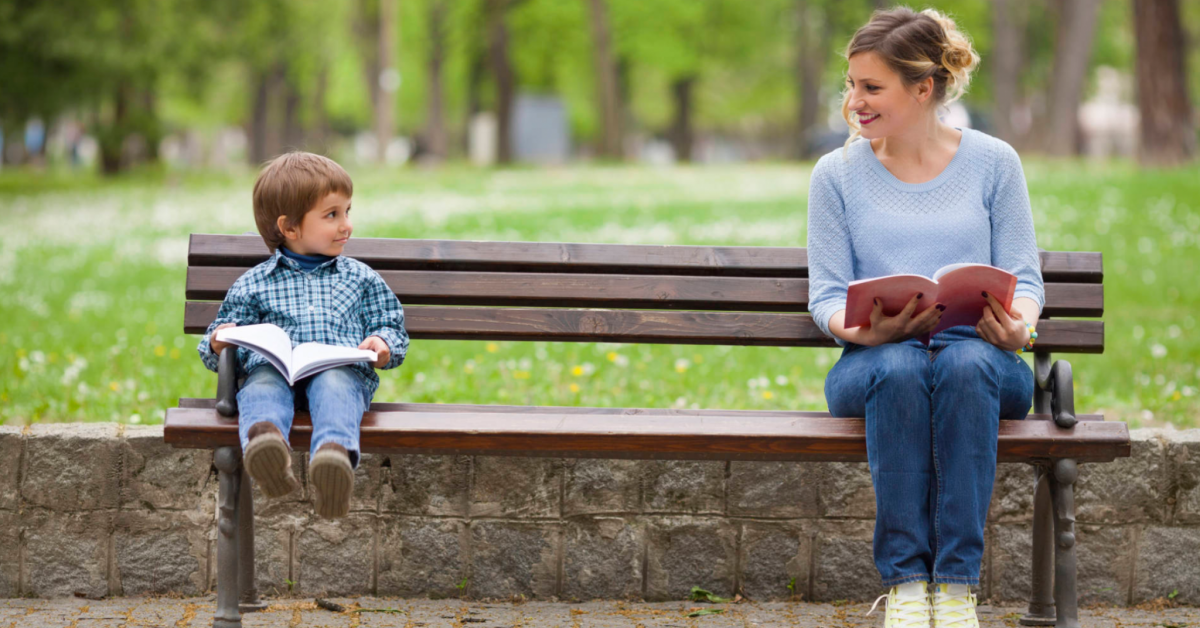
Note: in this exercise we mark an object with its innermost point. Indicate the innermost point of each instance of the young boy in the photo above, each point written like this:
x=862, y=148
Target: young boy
x=302, y=209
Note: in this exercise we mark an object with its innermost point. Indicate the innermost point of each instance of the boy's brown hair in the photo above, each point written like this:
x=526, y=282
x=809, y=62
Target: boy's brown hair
x=290, y=185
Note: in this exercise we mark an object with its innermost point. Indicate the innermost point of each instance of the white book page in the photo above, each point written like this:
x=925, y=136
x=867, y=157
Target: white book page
x=313, y=357
x=266, y=339
x=949, y=268
x=858, y=281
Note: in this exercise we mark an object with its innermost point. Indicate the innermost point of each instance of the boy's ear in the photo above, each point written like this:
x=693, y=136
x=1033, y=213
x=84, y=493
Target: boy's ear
x=288, y=231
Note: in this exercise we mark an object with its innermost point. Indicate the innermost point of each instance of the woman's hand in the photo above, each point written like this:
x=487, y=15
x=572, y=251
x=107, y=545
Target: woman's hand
x=1002, y=328
x=884, y=329
x=381, y=349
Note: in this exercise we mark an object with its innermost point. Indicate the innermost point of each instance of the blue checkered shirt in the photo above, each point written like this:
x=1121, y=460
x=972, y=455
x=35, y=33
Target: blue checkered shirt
x=341, y=302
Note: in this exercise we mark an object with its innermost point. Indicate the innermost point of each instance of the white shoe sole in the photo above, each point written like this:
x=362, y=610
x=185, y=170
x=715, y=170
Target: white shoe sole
x=333, y=482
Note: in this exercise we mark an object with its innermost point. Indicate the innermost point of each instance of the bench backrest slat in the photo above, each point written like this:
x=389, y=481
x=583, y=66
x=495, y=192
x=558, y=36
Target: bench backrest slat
x=650, y=294
x=747, y=294
x=633, y=259
x=655, y=326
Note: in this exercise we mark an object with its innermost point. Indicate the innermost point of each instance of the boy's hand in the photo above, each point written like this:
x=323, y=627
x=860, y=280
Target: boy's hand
x=216, y=345
x=376, y=344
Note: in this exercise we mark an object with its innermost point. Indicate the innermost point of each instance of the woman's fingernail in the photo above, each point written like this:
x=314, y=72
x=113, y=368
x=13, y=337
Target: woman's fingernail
x=941, y=308
x=920, y=294
x=984, y=294
x=876, y=301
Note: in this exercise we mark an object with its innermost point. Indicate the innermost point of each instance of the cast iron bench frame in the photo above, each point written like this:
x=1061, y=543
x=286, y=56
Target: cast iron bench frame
x=755, y=296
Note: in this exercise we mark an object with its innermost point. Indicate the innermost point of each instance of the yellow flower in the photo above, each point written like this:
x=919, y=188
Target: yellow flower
x=768, y=394
x=574, y=388
x=521, y=374
x=21, y=353
x=175, y=353
x=681, y=365
x=492, y=347
x=114, y=386
x=1177, y=396
x=160, y=351
x=577, y=371
x=612, y=356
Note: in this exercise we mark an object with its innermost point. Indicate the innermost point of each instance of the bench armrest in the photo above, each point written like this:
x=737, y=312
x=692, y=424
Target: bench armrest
x=1057, y=380
x=227, y=382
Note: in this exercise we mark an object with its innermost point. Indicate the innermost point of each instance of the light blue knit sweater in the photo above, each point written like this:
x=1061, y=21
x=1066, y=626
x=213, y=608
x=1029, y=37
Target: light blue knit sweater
x=863, y=222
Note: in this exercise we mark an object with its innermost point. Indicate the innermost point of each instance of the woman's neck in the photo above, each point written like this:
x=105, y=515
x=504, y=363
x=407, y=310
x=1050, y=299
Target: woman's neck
x=919, y=144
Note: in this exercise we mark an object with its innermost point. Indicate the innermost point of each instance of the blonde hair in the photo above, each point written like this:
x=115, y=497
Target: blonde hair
x=917, y=46
x=290, y=185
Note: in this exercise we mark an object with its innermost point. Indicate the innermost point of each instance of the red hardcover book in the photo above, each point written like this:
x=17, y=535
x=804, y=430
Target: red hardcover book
x=959, y=287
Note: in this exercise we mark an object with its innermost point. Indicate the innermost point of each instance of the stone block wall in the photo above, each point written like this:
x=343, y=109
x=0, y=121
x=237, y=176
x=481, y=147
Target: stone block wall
x=102, y=509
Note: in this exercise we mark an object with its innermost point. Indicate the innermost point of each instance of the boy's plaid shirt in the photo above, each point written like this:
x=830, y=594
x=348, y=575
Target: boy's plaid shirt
x=341, y=302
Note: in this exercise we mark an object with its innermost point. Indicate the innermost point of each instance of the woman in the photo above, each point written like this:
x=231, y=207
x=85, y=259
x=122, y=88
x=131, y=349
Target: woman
x=909, y=194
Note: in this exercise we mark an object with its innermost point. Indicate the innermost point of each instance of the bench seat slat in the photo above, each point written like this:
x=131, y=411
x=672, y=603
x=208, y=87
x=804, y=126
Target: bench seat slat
x=758, y=261
x=637, y=326
x=742, y=436
x=777, y=294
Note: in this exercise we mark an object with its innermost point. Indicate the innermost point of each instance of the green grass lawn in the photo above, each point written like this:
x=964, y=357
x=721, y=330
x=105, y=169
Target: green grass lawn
x=93, y=275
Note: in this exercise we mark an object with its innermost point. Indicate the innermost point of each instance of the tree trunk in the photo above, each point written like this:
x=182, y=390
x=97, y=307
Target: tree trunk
x=812, y=47
x=435, y=125
x=257, y=127
x=1168, y=136
x=318, y=132
x=681, y=127
x=1009, y=19
x=293, y=133
x=273, y=144
x=502, y=73
x=605, y=69
x=367, y=29
x=113, y=140
x=1072, y=52
x=387, y=79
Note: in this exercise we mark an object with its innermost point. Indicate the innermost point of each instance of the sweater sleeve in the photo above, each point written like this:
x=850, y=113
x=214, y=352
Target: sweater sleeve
x=1014, y=242
x=830, y=252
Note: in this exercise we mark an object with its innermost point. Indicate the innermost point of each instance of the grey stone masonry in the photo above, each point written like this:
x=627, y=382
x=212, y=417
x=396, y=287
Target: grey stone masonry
x=98, y=510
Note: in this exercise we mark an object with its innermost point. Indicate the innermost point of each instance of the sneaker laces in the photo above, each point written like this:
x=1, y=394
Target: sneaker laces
x=953, y=610
x=904, y=611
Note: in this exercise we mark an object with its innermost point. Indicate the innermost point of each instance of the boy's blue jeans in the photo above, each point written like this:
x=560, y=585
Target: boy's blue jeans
x=336, y=400
x=932, y=420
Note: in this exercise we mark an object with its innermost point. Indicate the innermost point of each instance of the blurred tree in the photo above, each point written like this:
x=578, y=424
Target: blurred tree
x=1010, y=18
x=813, y=46
x=436, y=143
x=375, y=31
x=608, y=98
x=1168, y=135
x=1076, y=28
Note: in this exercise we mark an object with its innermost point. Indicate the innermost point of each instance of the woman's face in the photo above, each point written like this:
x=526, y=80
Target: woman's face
x=883, y=105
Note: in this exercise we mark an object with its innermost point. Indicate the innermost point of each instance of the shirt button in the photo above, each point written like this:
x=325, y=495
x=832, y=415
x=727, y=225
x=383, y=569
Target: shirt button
x=311, y=308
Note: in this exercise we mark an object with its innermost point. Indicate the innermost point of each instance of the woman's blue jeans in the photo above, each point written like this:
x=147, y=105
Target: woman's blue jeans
x=336, y=400
x=932, y=417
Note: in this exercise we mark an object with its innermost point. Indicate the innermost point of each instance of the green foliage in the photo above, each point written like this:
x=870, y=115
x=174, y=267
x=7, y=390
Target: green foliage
x=93, y=324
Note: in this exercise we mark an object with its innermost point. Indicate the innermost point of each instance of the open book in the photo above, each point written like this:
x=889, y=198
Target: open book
x=957, y=286
x=297, y=362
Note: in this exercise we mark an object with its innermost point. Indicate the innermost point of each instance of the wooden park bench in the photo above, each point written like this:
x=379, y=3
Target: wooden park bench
x=757, y=296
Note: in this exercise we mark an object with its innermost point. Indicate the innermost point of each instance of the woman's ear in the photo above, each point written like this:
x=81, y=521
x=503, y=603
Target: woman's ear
x=924, y=90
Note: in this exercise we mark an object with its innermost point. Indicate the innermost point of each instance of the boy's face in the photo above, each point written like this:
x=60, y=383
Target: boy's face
x=324, y=230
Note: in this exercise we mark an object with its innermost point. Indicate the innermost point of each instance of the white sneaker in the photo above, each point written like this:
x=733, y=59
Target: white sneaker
x=907, y=606
x=953, y=606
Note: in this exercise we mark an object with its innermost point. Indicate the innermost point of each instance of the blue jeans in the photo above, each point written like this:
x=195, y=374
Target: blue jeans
x=932, y=419
x=336, y=400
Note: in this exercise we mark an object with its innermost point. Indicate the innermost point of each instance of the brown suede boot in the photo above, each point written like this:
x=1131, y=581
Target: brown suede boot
x=268, y=460
x=332, y=478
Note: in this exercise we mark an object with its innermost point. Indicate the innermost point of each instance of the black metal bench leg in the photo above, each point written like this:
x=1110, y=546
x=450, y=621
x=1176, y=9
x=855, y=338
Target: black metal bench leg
x=1041, y=601
x=229, y=468
x=1065, y=590
x=249, y=600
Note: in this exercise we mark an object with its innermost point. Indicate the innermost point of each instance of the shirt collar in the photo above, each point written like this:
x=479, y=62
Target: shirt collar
x=278, y=259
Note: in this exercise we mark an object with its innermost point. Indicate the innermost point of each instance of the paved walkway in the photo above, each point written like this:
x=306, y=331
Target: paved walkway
x=180, y=613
